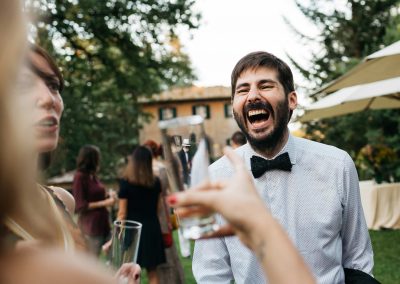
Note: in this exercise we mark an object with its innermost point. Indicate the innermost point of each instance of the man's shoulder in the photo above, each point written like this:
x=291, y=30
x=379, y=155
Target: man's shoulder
x=223, y=165
x=319, y=150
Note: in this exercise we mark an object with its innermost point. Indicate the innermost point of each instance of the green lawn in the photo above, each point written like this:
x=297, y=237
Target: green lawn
x=386, y=246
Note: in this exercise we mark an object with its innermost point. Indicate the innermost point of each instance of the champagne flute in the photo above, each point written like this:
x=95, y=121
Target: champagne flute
x=125, y=242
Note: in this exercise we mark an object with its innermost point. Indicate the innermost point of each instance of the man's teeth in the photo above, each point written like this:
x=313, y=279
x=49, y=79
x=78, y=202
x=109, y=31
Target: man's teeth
x=257, y=112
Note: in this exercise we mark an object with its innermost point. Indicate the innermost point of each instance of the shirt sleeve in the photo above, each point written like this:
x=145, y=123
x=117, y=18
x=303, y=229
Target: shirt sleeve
x=80, y=192
x=211, y=262
x=123, y=192
x=356, y=244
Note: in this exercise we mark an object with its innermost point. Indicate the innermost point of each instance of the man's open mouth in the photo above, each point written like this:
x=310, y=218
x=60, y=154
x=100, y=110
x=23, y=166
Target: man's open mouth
x=257, y=115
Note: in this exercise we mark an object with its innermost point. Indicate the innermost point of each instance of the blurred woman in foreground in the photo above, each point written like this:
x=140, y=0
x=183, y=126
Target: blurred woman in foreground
x=18, y=192
x=239, y=203
x=37, y=94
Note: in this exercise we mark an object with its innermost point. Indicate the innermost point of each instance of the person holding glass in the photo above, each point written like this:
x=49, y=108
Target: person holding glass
x=139, y=200
x=91, y=198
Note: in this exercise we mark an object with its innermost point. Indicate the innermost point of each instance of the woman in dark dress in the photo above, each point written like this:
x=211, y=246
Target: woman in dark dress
x=91, y=198
x=139, y=195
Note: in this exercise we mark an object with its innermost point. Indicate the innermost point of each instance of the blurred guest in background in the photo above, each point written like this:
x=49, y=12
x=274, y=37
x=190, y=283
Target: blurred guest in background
x=140, y=194
x=91, y=198
x=238, y=139
x=172, y=270
x=185, y=156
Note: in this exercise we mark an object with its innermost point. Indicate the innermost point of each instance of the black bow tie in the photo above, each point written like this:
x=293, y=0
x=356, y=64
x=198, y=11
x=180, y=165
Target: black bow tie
x=259, y=165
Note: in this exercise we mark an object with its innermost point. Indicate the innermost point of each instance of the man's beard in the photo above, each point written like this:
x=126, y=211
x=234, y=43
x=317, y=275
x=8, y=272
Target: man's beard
x=280, y=117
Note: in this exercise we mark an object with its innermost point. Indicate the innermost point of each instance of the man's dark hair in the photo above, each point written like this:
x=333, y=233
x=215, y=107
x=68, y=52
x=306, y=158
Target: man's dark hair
x=238, y=138
x=259, y=59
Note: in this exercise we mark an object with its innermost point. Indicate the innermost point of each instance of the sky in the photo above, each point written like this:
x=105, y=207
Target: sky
x=230, y=29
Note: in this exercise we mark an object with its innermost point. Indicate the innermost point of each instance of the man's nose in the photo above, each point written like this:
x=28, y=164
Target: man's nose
x=254, y=94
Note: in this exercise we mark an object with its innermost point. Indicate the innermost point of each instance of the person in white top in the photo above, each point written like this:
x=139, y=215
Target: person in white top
x=310, y=188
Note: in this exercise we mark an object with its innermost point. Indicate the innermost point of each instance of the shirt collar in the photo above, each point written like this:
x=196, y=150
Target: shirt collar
x=289, y=147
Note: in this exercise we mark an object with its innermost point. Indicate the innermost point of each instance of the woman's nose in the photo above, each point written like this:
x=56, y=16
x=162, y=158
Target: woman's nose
x=45, y=98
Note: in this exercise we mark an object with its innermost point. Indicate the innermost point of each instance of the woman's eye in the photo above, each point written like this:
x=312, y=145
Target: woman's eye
x=53, y=87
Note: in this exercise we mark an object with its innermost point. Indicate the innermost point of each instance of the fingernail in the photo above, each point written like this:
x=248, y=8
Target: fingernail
x=172, y=199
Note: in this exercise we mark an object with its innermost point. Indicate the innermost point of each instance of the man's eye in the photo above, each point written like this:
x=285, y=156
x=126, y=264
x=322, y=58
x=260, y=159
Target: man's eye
x=241, y=91
x=266, y=87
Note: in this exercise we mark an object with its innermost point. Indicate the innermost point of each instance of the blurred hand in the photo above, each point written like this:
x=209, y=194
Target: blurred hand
x=29, y=245
x=107, y=246
x=112, y=194
x=235, y=199
x=129, y=273
x=109, y=201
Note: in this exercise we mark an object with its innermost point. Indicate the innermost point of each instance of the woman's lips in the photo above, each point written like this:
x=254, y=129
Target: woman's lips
x=48, y=124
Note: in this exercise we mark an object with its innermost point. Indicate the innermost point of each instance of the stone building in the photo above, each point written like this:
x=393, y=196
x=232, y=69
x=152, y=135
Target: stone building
x=213, y=103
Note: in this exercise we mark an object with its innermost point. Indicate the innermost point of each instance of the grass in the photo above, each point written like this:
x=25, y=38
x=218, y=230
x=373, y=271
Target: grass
x=186, y=263
x=386, y=245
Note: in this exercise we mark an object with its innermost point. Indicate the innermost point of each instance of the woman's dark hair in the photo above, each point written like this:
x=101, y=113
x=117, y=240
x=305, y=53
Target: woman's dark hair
x=48, y=78
x=88, y=159
x=140, y=167
x=45, y=159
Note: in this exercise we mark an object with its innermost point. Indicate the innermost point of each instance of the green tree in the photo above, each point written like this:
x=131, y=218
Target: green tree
x=112, y=53
x=346, y=36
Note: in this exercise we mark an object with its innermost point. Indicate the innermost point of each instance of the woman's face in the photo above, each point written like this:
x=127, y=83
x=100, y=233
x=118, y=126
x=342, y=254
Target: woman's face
x=42, y=94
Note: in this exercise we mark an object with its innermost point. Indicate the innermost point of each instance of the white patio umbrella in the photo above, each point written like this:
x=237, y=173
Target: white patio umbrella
x=383, y=94
x=381, y=65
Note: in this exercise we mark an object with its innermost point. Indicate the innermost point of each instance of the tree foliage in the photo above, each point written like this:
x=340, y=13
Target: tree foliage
x=112, y=53
x=346, y=36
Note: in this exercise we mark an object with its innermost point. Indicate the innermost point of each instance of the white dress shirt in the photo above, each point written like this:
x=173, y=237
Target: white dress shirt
x=317, y=203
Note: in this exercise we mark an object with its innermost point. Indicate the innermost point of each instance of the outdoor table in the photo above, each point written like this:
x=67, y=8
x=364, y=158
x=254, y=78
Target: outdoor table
x=381, y=204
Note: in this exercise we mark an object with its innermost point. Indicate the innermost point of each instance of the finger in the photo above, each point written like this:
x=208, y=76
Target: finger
x=234, y=158
x=192, y=197
x=129, y=269
x=192, y=211
x=208, y=186
x=224, y=231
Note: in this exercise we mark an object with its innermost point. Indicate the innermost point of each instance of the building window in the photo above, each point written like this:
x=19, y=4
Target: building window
x=228, y=110
x=166, y=113
x=202, y=110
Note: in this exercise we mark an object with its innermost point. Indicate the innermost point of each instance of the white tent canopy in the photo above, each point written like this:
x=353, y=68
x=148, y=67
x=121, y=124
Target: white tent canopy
x=381, y=65
x=383, y=94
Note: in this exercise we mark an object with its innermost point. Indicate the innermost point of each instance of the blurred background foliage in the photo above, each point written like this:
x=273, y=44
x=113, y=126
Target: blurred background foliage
x=112, y=53
x=346, y=36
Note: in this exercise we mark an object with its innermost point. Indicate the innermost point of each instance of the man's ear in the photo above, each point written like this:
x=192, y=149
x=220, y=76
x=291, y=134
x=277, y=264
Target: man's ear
x=292, y=99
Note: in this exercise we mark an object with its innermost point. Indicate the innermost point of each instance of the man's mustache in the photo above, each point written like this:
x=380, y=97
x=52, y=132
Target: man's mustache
x=258, y=105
